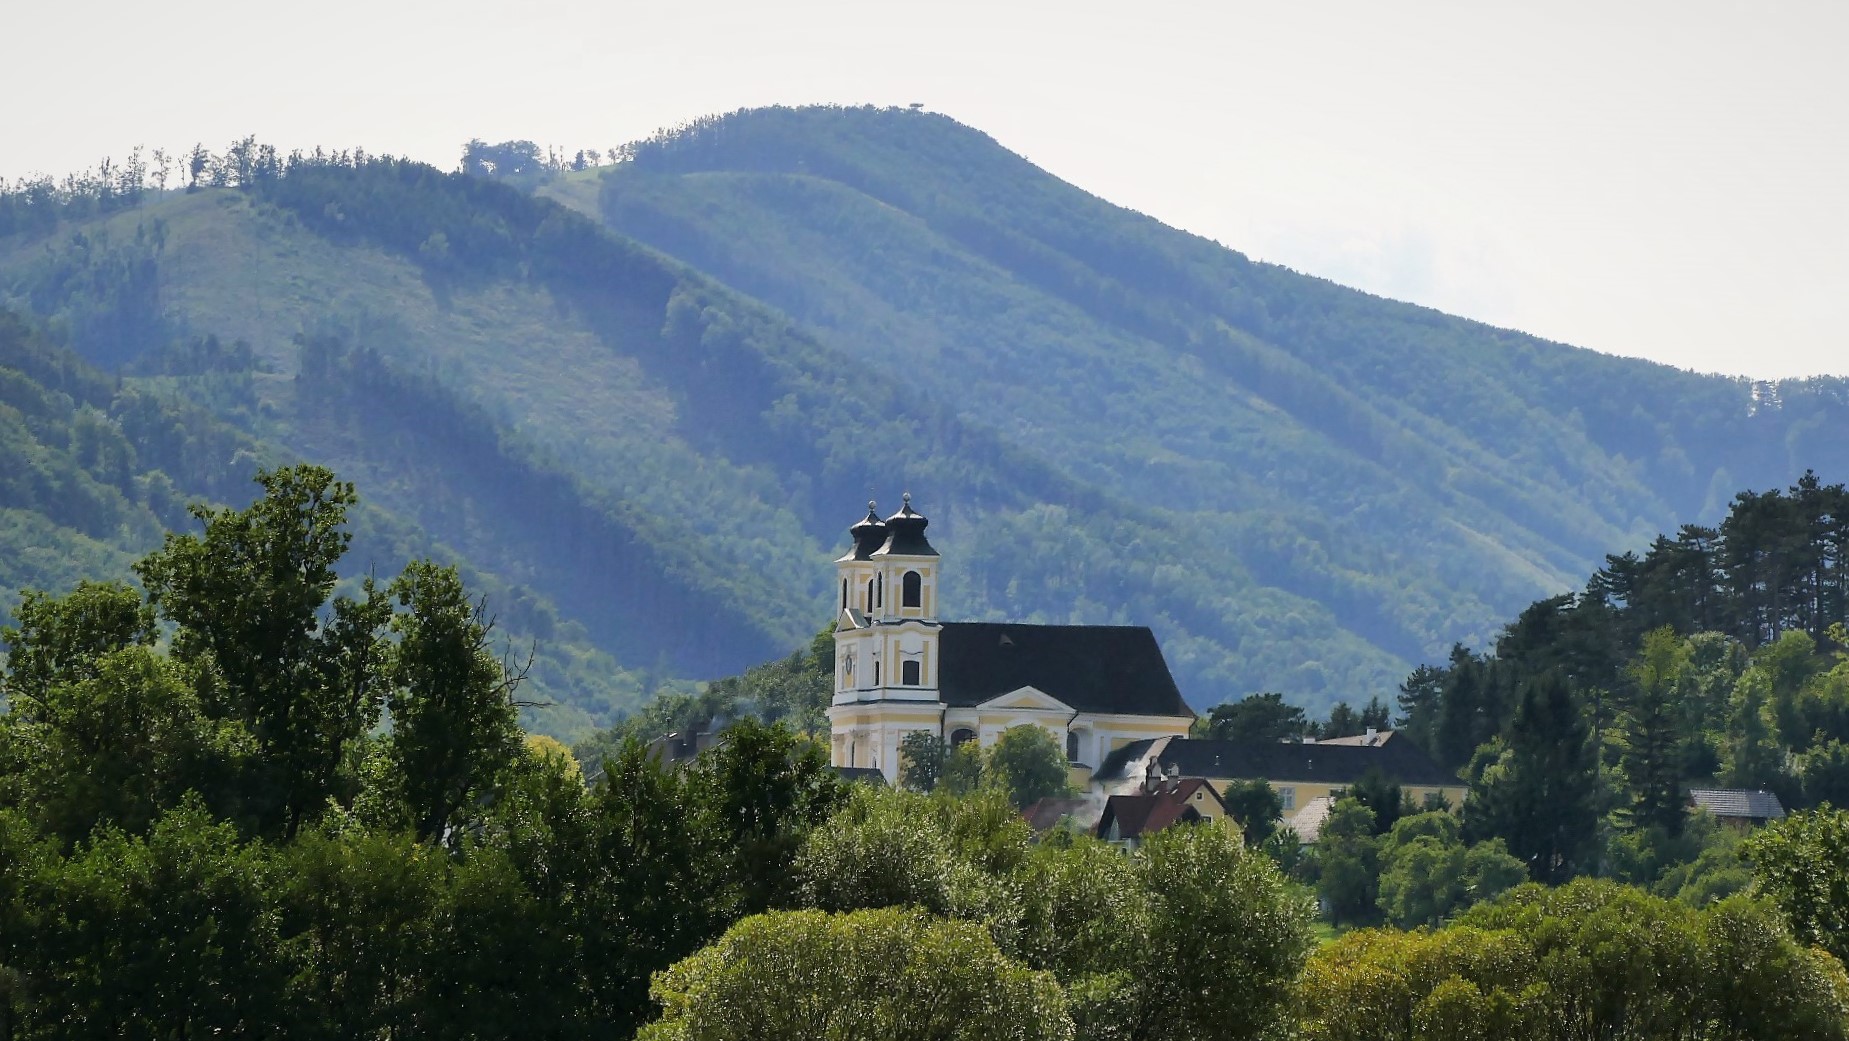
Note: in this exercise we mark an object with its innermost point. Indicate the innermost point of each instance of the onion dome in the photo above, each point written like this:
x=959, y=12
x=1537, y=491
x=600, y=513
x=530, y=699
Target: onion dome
x=905, y=535
x=869, y=534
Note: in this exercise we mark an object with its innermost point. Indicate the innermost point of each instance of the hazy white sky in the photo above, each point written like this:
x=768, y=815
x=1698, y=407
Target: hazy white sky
x=1649, y=178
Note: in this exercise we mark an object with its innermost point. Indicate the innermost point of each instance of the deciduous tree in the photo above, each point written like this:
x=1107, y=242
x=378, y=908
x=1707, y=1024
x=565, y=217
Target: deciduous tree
x=1029, y=764
x=896, y=974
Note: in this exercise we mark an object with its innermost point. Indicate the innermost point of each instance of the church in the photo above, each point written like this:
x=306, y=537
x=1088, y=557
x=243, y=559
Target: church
x=899, y=669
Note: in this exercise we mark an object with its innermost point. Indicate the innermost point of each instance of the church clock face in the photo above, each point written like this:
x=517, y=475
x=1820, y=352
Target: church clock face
x=848, y=665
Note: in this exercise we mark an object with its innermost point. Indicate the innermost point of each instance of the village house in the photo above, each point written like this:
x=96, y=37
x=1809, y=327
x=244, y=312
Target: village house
x=1737, y=808
x=1163, y=801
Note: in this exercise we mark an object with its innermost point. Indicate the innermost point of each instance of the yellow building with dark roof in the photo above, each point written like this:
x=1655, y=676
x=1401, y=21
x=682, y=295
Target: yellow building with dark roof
x=1301, y=772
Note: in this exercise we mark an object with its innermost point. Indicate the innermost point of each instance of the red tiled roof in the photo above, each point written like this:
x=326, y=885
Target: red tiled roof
x=1138, y=815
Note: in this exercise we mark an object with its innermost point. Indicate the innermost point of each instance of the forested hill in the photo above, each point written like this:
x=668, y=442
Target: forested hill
x=1347, y=447
x=98, y=466
x=649, y=459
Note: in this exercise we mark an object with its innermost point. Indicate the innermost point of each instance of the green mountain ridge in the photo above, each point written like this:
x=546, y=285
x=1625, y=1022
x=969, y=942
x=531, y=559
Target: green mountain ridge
x=1254, y=391
x=643, y=427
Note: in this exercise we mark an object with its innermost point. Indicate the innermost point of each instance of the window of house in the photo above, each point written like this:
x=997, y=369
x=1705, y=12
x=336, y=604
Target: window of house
x=908, y=673
x=961, y=735
x=1288, y=796
x=912, y=590
x=1072, y=746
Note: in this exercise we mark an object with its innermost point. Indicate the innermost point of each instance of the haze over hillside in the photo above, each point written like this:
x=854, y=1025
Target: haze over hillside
x=642, y=403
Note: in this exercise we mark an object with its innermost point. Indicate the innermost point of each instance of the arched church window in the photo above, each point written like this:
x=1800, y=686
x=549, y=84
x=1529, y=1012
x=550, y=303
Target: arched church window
x=868, y=607
x=961, y=735
x=879, y=590
x=1072, y=746
x=908, y=673
x=912, y=589
x=844, y=594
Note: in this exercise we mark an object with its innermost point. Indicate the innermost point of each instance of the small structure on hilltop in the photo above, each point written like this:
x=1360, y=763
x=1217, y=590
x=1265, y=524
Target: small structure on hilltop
x=1163, y=802
x=900, y=670
x=1737, y=808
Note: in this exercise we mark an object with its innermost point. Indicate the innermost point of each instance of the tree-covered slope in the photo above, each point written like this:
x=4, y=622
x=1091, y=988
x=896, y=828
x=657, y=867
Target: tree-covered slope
x=1416, y=474
x=98, y=466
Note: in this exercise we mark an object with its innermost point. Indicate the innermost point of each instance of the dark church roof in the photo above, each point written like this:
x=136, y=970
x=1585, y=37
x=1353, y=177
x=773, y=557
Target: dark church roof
x=905, y=533
x=1400, y=762
x=1093, y=668
x=869, y=534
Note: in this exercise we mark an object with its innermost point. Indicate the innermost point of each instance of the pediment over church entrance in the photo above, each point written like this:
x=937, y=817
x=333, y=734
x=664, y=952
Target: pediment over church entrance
x=1026, y=699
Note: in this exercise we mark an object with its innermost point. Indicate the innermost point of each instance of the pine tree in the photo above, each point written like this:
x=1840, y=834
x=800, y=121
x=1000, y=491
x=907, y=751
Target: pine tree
x=1540, y=794
x=1652, y=756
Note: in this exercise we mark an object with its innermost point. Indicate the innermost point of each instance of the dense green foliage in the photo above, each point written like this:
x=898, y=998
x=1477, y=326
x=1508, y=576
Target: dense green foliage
x=211, y=835
x=1801, y=865
x=1428, y=874
x=1025, y=764
x=94, y=466
x=803, y=975
x=1028, y=763
x=1588, y=961
x=793, y=691
x=1717, y=659
x=1193, y=938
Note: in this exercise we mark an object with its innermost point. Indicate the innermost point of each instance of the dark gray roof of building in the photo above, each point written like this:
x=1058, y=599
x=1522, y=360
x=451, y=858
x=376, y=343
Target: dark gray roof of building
x=1738, y=802
x=905, y=533
x=1400, y=762
x=1093, y=668
x=869, y=533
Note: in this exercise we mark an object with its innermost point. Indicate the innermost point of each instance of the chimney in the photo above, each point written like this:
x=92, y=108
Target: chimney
x=1373, y=736
x=1174, y=777
x=1152, y=777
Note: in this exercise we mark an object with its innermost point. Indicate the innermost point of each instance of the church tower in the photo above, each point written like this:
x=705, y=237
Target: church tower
x=886, y=640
